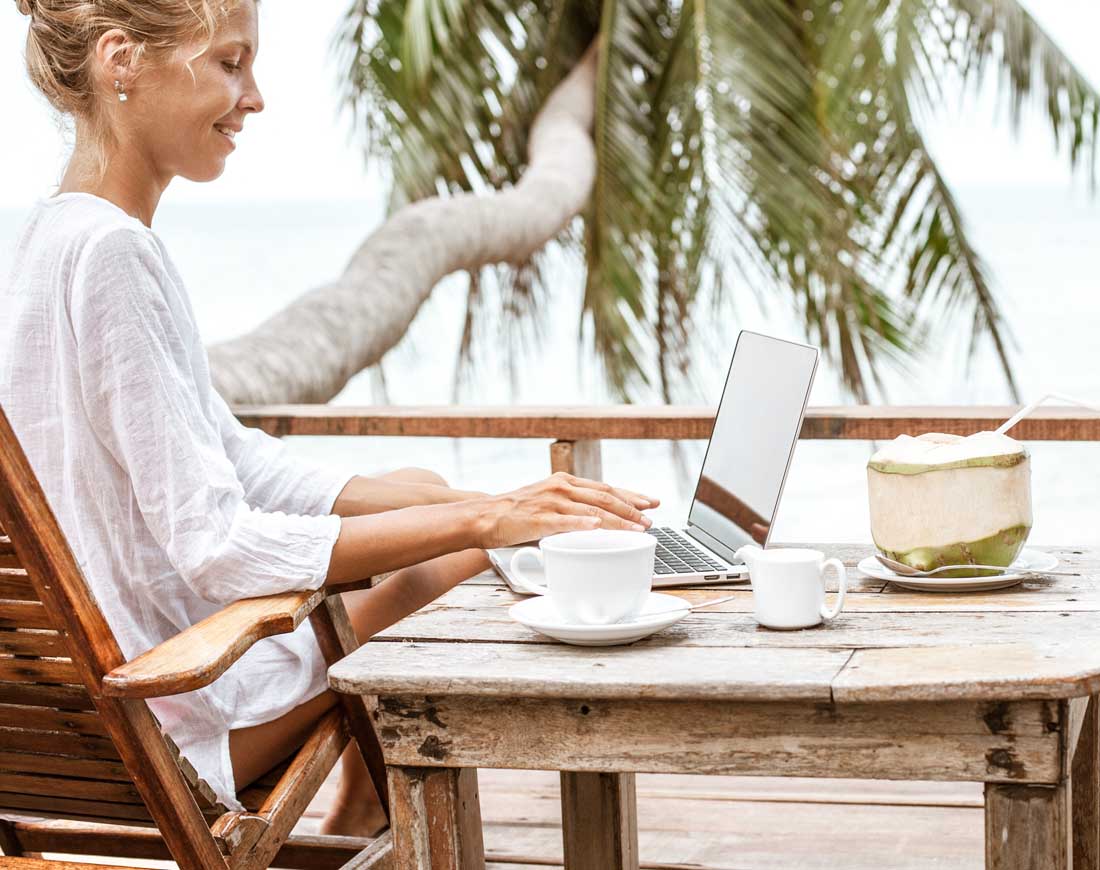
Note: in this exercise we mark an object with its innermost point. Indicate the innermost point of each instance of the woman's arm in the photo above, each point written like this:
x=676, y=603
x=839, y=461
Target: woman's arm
x=372, y=495
x=377, y=543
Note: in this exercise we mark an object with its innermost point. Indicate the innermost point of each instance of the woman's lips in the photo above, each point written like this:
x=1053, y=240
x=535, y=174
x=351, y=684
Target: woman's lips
x=227, y=133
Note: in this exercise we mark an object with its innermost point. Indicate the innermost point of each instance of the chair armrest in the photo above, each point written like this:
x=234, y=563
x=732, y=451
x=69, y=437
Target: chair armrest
x=200, y=654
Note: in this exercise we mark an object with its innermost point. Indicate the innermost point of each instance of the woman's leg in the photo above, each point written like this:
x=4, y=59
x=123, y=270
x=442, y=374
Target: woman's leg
x=356, y=810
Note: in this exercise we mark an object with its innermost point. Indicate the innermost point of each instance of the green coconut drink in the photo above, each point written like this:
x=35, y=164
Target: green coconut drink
x=947, y=500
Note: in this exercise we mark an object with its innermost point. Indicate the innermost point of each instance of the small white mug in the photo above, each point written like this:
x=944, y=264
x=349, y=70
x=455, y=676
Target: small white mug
x=593, y=577
x=788, y=587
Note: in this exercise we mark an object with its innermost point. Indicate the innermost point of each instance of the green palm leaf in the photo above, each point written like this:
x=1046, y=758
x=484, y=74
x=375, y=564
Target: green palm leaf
x=765, y=146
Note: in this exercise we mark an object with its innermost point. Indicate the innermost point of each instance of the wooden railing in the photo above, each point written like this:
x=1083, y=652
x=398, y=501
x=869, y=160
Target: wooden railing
x=576, y=431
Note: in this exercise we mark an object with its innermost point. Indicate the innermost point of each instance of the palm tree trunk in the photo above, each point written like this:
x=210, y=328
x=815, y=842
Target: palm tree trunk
x=308, y=351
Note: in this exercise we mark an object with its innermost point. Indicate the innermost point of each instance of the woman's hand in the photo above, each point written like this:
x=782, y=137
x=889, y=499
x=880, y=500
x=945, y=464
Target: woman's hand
x=560, y=503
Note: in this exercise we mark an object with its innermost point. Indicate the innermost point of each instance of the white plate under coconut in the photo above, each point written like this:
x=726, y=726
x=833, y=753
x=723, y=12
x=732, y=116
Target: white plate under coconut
x=1027, y=563
x=659, y=611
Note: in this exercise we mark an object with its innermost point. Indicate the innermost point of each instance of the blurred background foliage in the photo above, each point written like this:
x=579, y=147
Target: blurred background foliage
x=764, y=146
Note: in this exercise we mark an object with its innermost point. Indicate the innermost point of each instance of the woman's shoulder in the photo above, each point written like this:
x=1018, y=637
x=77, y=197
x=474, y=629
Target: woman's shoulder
x=62, y=233
x=80, y=221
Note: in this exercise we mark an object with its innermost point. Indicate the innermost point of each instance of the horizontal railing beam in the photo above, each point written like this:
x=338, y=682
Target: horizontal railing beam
x=673, y=422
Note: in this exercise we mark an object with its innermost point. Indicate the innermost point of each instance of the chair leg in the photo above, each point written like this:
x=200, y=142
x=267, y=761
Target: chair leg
x=9, y=840
x=337, y=640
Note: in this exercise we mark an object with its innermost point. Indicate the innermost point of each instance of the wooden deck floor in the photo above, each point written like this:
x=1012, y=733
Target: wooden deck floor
x=739, y=823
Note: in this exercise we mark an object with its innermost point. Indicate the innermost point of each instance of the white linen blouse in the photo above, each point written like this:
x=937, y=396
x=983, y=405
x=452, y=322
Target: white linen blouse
x=172, y=507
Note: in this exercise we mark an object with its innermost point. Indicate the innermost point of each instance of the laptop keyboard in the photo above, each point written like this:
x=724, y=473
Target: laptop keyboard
x=677, y=555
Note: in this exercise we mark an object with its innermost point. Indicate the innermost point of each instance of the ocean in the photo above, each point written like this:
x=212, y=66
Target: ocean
x=242, y=262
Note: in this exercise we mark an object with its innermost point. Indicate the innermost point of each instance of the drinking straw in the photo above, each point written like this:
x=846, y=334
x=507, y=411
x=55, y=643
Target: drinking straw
x=1027, y=409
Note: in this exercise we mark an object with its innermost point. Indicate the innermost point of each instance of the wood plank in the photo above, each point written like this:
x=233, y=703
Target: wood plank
x=57, y=743
x=1027, y=827
x=979, y=671
x=377, y=856
x=958, y=741
x=53, y=864
x=436, y=819
x=36, y=670
x=62, y=765
x=684, y=821
x=24, y=614
x=70, y=807
x=1085, y=797
x=33, y=643
x=133, y=842
x=556, y=671
x=66, y=786
x=15, y=585
x=62, y=697
x=854, y=629
x=500, y=787
x=8, y=557
x=599, y=821
x=203, y=652
x=676, y=422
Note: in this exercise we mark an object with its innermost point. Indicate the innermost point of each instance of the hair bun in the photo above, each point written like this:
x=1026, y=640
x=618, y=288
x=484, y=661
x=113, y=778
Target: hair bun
x=26, y=6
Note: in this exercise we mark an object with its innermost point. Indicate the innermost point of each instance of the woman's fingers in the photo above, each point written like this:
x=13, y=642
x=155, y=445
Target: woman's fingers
x=607, y=519
x=610, y=504
x=639, y=501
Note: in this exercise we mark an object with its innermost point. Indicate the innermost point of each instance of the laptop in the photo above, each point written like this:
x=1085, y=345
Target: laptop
x=741, y=481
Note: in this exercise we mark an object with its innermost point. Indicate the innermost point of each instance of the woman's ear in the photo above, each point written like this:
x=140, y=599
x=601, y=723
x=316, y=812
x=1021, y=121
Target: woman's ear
x=115, y=56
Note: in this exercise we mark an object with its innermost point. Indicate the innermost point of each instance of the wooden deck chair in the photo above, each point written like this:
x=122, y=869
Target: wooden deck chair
x=81, y=751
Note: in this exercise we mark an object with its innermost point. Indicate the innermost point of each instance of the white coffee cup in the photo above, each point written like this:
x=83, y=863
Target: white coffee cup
x=593, y=577
x=788, y=586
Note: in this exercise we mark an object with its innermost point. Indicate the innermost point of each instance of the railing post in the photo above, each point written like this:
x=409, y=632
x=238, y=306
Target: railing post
x=581, y=458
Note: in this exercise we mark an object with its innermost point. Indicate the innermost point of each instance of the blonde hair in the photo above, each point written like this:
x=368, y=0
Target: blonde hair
x=63, y=34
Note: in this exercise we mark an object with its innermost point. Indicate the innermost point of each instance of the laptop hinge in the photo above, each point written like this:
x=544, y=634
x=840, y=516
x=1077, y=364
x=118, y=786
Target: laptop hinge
x=713, y=544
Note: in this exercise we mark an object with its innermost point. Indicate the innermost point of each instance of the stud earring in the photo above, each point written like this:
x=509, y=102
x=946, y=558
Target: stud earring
x=121, y=93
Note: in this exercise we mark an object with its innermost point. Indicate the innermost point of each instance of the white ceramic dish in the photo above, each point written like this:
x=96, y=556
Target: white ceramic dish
x=660, y=611
x=1027, y=563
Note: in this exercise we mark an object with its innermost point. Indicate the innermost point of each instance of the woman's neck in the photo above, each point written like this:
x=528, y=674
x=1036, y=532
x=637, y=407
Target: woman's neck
x=129, y=181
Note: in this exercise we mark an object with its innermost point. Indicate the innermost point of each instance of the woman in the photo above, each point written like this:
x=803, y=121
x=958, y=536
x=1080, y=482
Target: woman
x=172, y=507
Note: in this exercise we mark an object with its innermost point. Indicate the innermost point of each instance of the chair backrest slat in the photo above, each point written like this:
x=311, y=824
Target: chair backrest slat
x=57, y=754
x=15, y=585
x=36, y=695
x=33, y=643
x=8, y=558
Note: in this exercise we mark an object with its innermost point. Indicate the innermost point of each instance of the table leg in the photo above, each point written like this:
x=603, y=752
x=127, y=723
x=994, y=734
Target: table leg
x=436, y=819
x=599, y=821
x=1086, y=792
x=1028, y=827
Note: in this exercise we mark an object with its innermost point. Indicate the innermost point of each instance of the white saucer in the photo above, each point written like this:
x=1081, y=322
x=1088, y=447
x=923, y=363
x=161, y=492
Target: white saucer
x=539, y=614
x=1027, y=563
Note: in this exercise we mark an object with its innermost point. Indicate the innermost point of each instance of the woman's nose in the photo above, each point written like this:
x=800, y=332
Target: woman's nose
x=253, y=100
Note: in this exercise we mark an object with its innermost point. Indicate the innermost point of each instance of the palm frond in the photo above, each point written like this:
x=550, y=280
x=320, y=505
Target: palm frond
x=768, y=146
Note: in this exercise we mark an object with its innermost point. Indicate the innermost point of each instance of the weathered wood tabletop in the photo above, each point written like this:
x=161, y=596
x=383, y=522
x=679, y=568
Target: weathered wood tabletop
x=988, y=687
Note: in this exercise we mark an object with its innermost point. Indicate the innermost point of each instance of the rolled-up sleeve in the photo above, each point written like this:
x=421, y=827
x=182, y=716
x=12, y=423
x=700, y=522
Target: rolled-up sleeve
x=273, y=478
x=143, y=380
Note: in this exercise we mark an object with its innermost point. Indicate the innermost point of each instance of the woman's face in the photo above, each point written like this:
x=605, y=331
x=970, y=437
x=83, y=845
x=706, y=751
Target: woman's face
x=183, y=114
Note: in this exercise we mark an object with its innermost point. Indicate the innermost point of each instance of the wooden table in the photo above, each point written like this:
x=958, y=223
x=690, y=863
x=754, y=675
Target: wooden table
x=996, y=688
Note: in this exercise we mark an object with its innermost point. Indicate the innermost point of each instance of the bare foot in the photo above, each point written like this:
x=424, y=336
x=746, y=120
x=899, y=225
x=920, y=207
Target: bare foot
x=361, y=818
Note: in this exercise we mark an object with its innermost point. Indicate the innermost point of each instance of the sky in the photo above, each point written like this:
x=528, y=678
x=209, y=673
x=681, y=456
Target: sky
x=301, y=148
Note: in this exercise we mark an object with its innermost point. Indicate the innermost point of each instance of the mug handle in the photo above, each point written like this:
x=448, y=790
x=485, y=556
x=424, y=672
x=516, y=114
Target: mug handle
x=842, y=576
x=520, y=579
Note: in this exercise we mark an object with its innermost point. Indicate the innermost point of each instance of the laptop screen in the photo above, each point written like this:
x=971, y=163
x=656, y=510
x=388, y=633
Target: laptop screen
x=753, y=439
